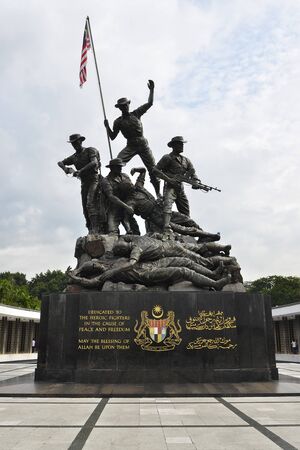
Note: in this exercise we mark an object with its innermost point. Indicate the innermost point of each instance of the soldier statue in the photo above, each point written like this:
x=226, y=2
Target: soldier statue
x=165, y=271
x=116, y=187
x=168, y=168
x=150, y=209
x=131, y=127
x=87, y=163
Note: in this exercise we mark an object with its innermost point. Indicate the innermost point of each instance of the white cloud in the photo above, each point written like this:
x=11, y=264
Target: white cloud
x=227, y=78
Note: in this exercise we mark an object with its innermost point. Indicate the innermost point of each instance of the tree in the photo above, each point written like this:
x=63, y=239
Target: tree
x=47, y=283
x=14, y=295
x=283, y=290
x=18, y=278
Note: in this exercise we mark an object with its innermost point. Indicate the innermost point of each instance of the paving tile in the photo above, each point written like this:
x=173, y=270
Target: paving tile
x=41, y=414
x=36, y=438
x=272, y=414
x=290, y=373
x=191, y=400
x=289, y=434
x=7, y=376
x=47, y=400
x=179, y=440
x=150, y=421
x=211, y=414
x=131, y=400
x=126, y=439
x=126, y=400
x=163, y=400
x=176, y=411
x=149, y=411
x=230, y=439
x=123, y=414
x=281, y=399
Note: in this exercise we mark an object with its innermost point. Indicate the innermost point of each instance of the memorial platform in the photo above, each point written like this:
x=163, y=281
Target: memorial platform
x=156, y=339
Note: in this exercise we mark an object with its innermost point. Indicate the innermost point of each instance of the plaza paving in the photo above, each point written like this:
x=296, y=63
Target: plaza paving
x=181, y=423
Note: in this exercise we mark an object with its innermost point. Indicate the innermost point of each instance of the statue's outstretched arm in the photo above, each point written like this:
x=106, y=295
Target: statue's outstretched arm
x=151, y=93
x=140, y=181
x=116, y=201
x=86, y=282
x=66, y=169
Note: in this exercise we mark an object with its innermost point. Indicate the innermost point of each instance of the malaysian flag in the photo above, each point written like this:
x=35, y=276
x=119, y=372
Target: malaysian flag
x=86, y=45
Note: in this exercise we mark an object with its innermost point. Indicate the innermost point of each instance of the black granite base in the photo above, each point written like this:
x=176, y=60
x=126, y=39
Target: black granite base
x=156, y=337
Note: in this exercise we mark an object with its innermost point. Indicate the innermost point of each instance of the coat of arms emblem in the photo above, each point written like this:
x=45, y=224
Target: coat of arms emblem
x=158, y=333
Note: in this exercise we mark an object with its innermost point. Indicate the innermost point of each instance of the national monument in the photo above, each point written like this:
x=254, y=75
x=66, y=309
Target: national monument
x=168, y=306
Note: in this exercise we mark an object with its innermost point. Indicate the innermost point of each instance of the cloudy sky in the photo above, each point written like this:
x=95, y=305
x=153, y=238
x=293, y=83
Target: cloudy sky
x=227, y=76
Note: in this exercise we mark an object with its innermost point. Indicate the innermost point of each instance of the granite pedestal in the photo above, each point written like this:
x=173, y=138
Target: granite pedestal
x=156, y=337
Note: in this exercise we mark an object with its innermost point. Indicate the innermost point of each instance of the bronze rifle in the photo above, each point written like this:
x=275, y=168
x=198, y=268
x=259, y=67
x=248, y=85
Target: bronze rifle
x=196, y=184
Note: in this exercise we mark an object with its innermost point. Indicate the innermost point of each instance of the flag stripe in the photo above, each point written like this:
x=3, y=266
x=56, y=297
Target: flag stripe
x=86, y=45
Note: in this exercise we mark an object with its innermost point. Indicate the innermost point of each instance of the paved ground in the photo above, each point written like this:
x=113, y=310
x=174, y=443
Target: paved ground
x=148, y=423
x=285, y=357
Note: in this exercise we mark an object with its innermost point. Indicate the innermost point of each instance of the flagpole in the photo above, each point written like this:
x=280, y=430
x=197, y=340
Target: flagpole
x=99, y=83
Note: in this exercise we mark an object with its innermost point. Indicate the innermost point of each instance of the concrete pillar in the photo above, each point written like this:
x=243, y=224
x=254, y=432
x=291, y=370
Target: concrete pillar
x=3, y=335
x=13, y=347
x=18, y=330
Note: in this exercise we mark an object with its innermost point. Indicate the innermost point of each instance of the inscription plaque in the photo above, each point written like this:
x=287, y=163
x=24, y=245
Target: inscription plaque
x=174, y=337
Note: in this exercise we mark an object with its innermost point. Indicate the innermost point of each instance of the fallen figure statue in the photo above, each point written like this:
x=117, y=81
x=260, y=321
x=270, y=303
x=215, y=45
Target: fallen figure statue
x=165, y=271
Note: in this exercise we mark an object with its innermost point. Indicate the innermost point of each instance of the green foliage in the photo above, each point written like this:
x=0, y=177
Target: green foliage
x=15, y=290
x=18, y=278
x=14, y=295
x=47, y=283
x=283, y=290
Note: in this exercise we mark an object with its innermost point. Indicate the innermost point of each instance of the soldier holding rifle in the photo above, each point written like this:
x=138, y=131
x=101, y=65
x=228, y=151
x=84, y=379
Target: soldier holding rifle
x=167, y=169
x=175, y=169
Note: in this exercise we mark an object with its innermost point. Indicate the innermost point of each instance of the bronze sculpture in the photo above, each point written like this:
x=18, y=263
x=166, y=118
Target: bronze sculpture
x=115, y=188
x=146, y=248
x=150, y=209
x=87, y=164
x=165, y=271
x=167, y=169
x=131, y=127
x=169, y=252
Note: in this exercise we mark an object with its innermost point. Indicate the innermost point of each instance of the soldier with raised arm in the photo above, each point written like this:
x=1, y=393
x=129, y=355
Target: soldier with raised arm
x=131, y=127
x=170, y=166
x=87, y=163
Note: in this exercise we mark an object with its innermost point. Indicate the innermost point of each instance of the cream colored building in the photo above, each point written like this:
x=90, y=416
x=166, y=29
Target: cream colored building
x=286, y=320
x=18, y=328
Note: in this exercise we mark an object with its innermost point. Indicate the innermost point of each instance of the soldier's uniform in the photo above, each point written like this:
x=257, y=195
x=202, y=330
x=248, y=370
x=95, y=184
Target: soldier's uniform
x=165, y=271
x=89, y=180
x=132, y=129
x=118, y=186
x=173, y=165
x=145, y=248
x=143, y=203
x=150, y=209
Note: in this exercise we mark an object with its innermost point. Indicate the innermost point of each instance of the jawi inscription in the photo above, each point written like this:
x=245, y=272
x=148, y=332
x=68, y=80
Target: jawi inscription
x=211, y=344
x=210, y=320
